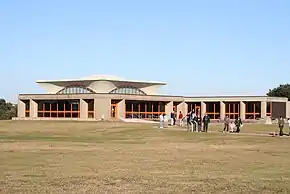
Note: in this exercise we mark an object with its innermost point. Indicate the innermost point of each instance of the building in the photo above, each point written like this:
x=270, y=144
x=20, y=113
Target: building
x=109, y=97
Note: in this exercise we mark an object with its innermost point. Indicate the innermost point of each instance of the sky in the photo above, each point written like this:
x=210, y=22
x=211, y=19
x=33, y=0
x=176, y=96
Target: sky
x=208, y=47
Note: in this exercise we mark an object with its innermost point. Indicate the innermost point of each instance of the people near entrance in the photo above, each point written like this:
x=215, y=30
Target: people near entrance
x=180, y=118
x=238, y=123
x=205, y=121
x=226, y=124
x=281, y=125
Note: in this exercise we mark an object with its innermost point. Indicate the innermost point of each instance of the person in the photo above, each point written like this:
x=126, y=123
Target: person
x=195, y=123
x=199, y=124
x=165, y=120
x=281, y=125
x=188, y=119
x=226, y=123
x=206, y=121
x=172, y=116
x=180, y=117
x=232, y=127
x=238, y=123
x=192, y=121
x=161, y=121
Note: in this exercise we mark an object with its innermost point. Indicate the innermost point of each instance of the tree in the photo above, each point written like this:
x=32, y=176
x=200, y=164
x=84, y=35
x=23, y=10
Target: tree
x=7, y=110
x=282, y=90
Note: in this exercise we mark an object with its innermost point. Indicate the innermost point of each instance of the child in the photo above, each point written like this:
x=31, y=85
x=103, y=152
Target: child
x=232, y=127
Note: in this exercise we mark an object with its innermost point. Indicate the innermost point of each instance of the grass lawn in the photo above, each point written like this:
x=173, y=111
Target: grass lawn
x=108, y=157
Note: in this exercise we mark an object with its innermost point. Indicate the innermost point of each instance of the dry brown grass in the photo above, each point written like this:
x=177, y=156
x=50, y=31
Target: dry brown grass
x=80, y=157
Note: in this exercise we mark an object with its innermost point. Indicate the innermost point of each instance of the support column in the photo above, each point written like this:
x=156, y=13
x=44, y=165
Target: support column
x=222, y=110
x=242, y=110
x=33, y=109
x=169, y=108
x=20, y=109
x=288, y=109
x=121, y=109
x=263, y=109
x=203, y=109
x=83, y=109
x=182, y=107
x=102, y=107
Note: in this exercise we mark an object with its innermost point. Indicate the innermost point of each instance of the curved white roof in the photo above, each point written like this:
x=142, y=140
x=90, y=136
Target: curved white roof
x=98, y=77
x=101, y=77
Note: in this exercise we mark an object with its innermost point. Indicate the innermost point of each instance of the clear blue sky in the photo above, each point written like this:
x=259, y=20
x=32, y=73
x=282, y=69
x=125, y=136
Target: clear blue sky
x=238, y=47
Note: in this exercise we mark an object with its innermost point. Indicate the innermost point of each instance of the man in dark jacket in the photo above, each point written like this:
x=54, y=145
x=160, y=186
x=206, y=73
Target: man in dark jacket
x=206, y=121
x=281, y=126
x=238, y=123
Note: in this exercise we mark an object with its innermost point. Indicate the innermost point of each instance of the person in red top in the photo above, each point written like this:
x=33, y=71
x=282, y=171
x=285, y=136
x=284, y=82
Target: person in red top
x=180, y=117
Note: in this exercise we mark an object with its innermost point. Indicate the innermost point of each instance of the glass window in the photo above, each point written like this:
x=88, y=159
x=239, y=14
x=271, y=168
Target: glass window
x=127, y=90
x=76, y=90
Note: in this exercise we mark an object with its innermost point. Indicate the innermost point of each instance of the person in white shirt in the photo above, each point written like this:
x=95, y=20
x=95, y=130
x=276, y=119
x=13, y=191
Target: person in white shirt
x=232, y=127
x=161, y=121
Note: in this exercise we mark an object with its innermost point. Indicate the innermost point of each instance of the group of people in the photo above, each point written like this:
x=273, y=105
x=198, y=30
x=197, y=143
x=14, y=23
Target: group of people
x=197, y=124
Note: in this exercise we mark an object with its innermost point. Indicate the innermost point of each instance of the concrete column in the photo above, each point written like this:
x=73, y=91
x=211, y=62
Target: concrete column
x=182, y=107
x=121, y=109
x=222, y=110
x=102, y=107
x=203, y=109
x=288, y=109
x=263, y=109
x=33, y=109
x=20, y=109
x=83, y=109
x=169, y=107
x=242, y=110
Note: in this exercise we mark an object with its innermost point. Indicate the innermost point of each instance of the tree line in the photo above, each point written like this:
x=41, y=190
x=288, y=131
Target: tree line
x=9, y=110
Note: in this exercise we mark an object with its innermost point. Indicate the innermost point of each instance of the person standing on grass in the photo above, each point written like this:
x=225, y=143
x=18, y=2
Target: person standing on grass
x=206, y=121
x=281, y=126
x=161, y=121
x=226, y=123
x=172, y=118
x=180, y=117
x=238, y=123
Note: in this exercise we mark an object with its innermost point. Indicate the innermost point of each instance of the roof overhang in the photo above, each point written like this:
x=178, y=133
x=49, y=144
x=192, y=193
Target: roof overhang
x=79, y=81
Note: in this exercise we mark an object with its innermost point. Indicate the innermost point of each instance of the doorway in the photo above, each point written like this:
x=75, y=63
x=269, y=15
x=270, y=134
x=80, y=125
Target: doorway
x=114, y=111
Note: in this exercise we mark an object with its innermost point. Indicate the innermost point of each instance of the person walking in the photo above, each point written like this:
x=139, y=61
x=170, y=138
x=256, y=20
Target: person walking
x=226, y=123
x=206, y=121
x=238, y=123
x=180, y=118
x=281, y=126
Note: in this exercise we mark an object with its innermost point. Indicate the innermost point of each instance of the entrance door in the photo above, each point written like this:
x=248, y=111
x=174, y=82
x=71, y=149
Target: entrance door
x=197, y=111
x=114, y=111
